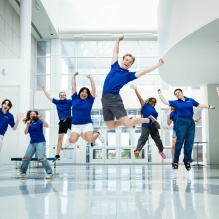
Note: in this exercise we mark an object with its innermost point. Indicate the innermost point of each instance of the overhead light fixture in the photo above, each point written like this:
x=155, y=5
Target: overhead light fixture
x=37, y=5
x=50, y=30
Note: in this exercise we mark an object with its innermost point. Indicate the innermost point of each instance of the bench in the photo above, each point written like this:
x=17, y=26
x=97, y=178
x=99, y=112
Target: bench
x=35, y=160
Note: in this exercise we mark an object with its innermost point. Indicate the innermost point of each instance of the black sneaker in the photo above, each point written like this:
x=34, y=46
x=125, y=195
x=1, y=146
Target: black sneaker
x=154, y=122
x=57, y=157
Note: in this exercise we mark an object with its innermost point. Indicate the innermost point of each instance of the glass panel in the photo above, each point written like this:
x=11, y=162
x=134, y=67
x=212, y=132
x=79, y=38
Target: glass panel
x=87, y=49
x=97, y=154
x=104, y=64
x=111, y=138
x=88, y=65
x=148, y=48
x=105, y=48
x=43, y=48
x=68, y=65
x=45, y=79
x=125, y=154
x=43, y=65
x=125, y=137
x=68, y=48
x=148, y=62
x=66, y=82
x=111, y=153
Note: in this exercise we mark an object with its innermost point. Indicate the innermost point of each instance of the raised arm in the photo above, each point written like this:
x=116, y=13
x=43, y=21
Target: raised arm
x=116, y=50
x=93, y=87
x=144, y=71
x=142, y=102
x=73, y=82
x=27, y=127
x=19, y=117
x=45, y=91
x=162, y=98
x=45, y=124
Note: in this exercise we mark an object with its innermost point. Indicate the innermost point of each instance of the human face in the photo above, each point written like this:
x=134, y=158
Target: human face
x=62, y=96
x=127, y=62
x=5, y=107
x=179, y=94
x=33, y=116
x=84, y=94
x=153, y=102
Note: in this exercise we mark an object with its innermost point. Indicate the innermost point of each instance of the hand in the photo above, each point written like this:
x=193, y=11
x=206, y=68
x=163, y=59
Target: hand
x=167, y=112
x=159, y=91
x=20, y=116
x=161, y=61
x=133, y=86
x=40, y=117
x=41, y=85
x=76, y=73
x=212, y=107
x=89, y=76
x=120, y=38
x=28, y=122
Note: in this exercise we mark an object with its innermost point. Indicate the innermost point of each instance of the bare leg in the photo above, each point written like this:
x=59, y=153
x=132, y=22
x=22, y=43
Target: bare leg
x=90, y=137
x=59, y=144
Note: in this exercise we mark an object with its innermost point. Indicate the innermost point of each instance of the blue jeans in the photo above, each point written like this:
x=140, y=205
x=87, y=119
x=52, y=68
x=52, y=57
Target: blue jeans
x=185, y=133
x=40, y=148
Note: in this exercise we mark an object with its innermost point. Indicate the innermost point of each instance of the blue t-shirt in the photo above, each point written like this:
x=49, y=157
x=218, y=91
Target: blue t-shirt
x=148, y=110
x=5, y=120
x=184, y=108
x=81, y=109
x=116, y=79
x=173, y=117
x=63, y=108
x=36, y=132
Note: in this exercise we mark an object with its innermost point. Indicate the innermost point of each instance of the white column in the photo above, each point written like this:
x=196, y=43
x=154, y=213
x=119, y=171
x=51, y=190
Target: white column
x=212, y=126
x=25, y=56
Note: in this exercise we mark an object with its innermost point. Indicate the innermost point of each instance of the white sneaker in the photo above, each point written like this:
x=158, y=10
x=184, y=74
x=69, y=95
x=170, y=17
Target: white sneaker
x=49, y=176
x=100, y=136
x=67, y=144
x=154, y=122
x=22, y=176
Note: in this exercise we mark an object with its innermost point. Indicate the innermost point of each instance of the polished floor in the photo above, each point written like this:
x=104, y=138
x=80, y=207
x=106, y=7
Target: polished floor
x=110, y=191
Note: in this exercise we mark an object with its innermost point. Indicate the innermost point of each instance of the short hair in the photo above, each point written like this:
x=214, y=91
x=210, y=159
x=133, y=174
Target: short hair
x=178, y=89
x=130, y=55
x=62, y=92
x=9, y=103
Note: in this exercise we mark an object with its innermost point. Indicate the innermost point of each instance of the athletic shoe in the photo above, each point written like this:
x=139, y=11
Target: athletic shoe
x=57, y=157
x=49, y=176
x=22, y=176
x=154, y=122
x=67, y=144
x=93, y=144
x=136, y=153
x=100, y=136
x=162, y=155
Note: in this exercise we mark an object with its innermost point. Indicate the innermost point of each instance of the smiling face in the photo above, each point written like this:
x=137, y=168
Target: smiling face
x=62, y=95
x=33, y=116
x=127, y=61
x=83, y=94
x=179, y=94
x=152, y=101
x=6, y=105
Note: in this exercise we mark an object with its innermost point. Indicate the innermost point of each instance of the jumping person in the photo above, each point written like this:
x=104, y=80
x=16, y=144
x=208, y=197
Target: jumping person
x=6, y=118
x=185, y=125
x=171, y=117
x=34, y=126
x=111, y=100
x=63, y=107
x=147, y=109
x=81, y=110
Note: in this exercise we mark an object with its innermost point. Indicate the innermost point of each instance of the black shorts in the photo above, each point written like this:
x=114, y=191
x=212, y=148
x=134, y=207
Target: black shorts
x=112, y=107
x=64, y=125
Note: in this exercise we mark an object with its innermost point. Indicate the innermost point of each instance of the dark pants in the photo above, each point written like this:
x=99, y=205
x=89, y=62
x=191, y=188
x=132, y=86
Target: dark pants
x=185, y=131
x=145, y=132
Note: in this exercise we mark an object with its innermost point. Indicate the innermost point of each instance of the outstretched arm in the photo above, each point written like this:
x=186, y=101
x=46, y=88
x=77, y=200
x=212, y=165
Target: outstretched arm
x=162, y=98
x=205, y=106
x=45, y=91
x=19, y=117
x=73, y=82
x=116, y=50
x=144, y=71
x=217, y=91
x=137, y=94
x=93, y=87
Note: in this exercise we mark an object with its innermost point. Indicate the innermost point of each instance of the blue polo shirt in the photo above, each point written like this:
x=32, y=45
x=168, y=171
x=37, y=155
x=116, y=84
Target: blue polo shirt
x=81, y=109
x=63, y=108
x=148, y=110
x=184, y=108
x=116, y=79
x=36, y=132
x=5, y=120
x=173, y=117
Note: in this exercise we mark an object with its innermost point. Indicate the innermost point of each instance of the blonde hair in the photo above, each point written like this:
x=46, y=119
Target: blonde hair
x=130, y=55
